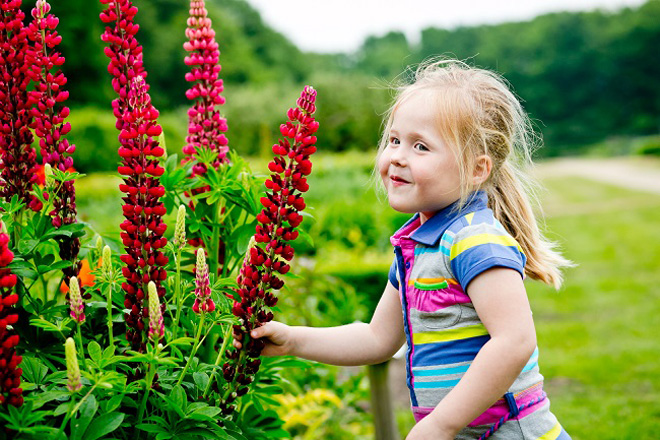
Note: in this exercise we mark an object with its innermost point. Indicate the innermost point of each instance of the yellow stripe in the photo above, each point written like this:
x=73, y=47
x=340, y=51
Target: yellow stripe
x=469, y=218
x=432, y=281
x=552, y=434
x=479, y=239
x=453, y=334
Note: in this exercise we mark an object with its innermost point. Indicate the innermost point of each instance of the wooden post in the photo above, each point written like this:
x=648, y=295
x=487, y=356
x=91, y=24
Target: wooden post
x=381, y=402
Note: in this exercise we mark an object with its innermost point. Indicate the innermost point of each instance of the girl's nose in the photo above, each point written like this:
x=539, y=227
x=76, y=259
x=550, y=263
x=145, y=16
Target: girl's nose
x=398, y=157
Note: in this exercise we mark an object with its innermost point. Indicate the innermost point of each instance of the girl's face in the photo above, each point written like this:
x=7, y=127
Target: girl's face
x=419, y=170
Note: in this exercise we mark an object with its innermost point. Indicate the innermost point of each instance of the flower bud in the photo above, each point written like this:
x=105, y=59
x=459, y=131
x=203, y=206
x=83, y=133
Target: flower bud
x=106, y=267
x=74, y=382
x=76, y=301
x=156, y=326
x=48, y=175
x=180, y=229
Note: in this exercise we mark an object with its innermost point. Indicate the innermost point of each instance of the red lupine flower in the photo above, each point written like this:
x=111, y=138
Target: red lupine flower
x=142, y=231
x=19, y=160
x=49, y=124
x=269, y=256
x=206, y=126
x=10, y=375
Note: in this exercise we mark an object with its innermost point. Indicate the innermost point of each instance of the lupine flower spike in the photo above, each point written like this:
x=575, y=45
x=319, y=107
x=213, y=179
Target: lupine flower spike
x=77, y=305
x=142, y=231
x=203, y=301
x=106, y=265
x=268, y=258
x=10, y=374
x=19, y=170
x=156, y=326
x=206, y=127
x=50, y=113
x=74, y=382
x=180, y=229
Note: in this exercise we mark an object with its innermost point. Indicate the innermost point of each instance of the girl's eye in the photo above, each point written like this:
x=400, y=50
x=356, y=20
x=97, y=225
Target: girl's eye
x=394, y=141
x=420, y=147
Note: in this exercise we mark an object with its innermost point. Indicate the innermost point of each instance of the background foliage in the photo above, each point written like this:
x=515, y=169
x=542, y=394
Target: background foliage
x=585, y=77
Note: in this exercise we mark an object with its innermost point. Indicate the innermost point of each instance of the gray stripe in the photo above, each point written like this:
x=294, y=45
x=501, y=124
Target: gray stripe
x=443, y=318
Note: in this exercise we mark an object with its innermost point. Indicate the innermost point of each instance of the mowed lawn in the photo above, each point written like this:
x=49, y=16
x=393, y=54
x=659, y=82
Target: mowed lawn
x=599, y=336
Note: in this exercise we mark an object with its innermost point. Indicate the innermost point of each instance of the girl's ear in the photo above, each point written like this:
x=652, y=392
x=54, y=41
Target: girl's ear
x=482, y=168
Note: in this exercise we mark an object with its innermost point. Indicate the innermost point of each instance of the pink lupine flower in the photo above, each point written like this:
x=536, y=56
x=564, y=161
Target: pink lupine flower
x=76, y=303
x=203, y=301
x=206, y=126
x=19, y=160
x=142, y=231
x=49, y=124
x=10, y=374
x=268, y=258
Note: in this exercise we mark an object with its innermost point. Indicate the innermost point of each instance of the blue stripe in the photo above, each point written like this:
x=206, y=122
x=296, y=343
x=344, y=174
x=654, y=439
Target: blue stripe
x=448, y=238
x=445, y=250
x=438, y=384
x=441, y=371
x=450, y=352
x=529, y=366
x=564, y=435
x=533, y=361
x=419, y=250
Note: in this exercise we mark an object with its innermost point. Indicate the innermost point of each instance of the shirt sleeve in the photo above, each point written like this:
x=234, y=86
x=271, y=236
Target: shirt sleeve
x=392, y=275
x=477, y=248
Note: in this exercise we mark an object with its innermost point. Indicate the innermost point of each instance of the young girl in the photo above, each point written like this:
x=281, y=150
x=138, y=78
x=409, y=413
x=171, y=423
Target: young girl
x=449, y=154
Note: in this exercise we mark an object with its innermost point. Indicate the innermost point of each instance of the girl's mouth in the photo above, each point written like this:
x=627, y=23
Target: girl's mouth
x=398, y=181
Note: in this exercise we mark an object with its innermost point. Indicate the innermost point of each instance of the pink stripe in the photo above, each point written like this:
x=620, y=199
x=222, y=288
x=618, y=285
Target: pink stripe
x=405, y=232
x=434, y=300
x=500, y=409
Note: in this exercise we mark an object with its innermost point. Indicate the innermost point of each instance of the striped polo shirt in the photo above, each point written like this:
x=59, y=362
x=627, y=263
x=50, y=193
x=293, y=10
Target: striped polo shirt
x=434, y=264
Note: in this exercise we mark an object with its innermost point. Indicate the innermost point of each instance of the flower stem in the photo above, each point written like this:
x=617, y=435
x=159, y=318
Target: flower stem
x=111, y=338
x=194, y=348
x=177, y=294
x=215, y=245
x=221, y=353
x=80, y=346
x=149, y=380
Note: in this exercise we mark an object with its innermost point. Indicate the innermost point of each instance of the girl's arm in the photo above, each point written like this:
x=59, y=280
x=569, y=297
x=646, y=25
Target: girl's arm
x=501, y=302
x=352, y=344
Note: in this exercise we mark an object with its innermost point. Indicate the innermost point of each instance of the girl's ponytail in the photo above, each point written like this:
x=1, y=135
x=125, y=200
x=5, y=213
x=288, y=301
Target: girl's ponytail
x=510, y=202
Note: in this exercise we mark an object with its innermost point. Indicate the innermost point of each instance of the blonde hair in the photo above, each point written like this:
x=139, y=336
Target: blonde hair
x=478, y=115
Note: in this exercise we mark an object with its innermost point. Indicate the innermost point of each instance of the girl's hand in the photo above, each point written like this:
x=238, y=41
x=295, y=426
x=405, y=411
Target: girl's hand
x=279, y=338
x=429, y=429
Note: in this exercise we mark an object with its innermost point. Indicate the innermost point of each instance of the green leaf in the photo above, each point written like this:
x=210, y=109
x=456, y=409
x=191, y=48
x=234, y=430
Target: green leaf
x=104, y=425
x=33, y=370
x=87, y=411
x=147, y=427
x=242, y=236
x=26, y=246
x=201, y=380
x=94, y=350
x=113, y=403
x=49, y=326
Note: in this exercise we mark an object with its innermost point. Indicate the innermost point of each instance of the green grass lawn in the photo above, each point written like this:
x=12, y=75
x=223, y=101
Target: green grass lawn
x=598, y=336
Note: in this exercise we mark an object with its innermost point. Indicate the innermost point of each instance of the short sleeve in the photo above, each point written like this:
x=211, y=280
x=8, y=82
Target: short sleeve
x=480, y=247
x=392, y=275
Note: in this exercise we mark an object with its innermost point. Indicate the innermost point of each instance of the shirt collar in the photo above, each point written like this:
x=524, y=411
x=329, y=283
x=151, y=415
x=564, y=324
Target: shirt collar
x=430, y=232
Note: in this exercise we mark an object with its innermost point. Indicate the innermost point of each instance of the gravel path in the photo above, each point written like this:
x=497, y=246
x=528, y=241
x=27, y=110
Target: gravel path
x=637, y=173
